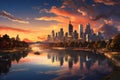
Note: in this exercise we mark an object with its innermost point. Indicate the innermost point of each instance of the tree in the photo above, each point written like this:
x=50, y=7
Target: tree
x=115, y=44
x=108, y=44
x=6, y=37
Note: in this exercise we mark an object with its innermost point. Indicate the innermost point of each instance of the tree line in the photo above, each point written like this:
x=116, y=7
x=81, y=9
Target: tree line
x=112, y=44
x=9, y=43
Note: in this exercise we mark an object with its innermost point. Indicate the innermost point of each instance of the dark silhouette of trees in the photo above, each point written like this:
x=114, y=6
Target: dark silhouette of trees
x=6, y=37
x=115, y=43
x=9, y=43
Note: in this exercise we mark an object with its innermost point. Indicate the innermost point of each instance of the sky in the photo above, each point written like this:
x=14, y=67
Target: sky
x=33, y=20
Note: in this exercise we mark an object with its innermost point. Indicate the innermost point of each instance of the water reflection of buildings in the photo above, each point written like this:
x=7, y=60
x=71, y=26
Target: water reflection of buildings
x=6, y=60
x=85, y=60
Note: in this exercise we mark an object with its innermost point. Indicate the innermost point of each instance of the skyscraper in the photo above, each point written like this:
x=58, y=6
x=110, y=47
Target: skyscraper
x=53, y=34
x=56, y=35
x=70, y=29
x=81, y=30
x=88, y=30
x=75, y=35
x=61, y=32
x=66, y=34
x=49, y=38
x=17, y=38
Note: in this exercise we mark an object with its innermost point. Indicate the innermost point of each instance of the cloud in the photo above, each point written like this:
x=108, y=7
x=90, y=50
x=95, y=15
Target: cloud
x=96, y=12
x=5, y=28
x=55, y=18
x=63, y=6
x=109, y=22
x=69, y=2
x=27, y=40
x=61, y=12
x=82, y=12
x=108, y=2
x=12, y=18
x=109, y=30
x=44, y=10
x=63, y=16
x=101, y=16
x=41, y=38
x=75, y=16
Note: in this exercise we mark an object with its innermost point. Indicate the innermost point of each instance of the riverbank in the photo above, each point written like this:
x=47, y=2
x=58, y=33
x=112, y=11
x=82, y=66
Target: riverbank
x=70, y=48
x=114, y=58
x=15, y=49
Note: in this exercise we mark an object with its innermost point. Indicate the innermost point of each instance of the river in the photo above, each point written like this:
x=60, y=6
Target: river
x=47, y=64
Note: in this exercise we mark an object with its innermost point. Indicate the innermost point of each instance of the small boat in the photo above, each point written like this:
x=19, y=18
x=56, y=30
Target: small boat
x=37, y=53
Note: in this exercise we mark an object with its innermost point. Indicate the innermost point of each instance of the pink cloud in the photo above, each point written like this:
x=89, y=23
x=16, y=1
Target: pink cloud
x=108, y=2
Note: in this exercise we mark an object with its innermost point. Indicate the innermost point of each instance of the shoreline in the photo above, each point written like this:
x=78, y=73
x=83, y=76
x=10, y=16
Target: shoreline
x=14, y=49
x=106, y=53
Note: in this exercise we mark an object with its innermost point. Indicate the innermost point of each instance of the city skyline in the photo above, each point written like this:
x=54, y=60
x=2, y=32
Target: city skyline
x=34, y=20
x=81, y=34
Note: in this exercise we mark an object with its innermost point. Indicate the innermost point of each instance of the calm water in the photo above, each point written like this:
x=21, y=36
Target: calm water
x=41, y=64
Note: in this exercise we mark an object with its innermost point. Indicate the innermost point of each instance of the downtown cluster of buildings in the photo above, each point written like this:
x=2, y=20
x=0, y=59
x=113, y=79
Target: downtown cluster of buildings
x=83, y=34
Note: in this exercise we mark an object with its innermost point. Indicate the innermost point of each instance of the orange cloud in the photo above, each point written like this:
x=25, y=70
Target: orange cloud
x=63, y=16
x=5, y=28
x=61, y=12
x=27, y=40
x=82, y=12
x=108, y=2
x=56, y=18
x=75, y=17
x=42, y=38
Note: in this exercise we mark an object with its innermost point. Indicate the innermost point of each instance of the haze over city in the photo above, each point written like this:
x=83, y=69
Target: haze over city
x=33, y=20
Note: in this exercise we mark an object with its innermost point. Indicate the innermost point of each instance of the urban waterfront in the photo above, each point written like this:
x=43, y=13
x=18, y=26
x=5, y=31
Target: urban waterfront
x=59, y=39
x=46, y=64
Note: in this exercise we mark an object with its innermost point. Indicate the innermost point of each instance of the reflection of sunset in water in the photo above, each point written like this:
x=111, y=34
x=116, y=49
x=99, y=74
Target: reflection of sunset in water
x=59, y=64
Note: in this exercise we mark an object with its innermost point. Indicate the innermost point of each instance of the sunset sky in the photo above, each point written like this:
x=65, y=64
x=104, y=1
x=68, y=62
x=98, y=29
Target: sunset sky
x=33, y=20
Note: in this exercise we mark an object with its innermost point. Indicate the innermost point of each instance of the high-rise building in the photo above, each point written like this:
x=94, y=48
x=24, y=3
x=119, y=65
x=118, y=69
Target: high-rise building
x=88, y=30
x=56, y=35
x=81, y=30
x=61, y=32
x=53, y=34
x=75, y=35
x=66, y=34
x=17, y=38
x=48, y=37
x=70, y=29
x=87, y=37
